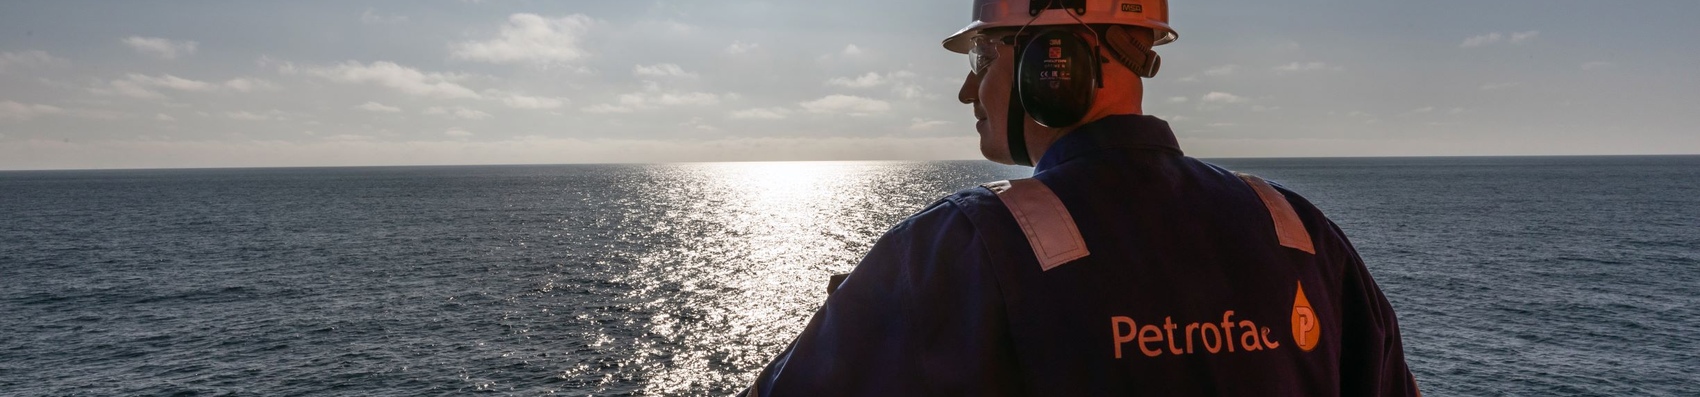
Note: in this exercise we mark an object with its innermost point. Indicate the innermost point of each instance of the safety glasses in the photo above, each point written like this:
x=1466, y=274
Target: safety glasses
x=982, y=54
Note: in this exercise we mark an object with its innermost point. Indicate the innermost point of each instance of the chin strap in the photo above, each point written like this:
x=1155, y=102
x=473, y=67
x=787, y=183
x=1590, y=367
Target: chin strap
x=1017, y=120
x=1017, y=129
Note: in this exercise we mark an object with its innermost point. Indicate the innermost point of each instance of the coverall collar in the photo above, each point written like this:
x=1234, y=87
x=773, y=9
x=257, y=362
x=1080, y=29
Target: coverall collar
x=1129, y=131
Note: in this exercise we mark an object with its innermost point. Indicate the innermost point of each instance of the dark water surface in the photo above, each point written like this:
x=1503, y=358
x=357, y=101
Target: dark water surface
x=1512, y=276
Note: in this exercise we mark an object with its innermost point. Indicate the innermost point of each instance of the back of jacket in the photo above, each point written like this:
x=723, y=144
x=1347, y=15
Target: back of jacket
x=1187, y=289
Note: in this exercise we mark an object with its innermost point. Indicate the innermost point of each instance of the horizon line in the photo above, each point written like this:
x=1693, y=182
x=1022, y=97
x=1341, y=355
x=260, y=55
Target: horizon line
x=266, y=167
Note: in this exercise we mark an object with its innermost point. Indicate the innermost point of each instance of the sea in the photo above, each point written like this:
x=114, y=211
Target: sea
x=1511, y=276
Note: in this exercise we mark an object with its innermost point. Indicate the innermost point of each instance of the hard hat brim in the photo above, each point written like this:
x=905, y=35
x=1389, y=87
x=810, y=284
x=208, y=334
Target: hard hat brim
x=960, y=44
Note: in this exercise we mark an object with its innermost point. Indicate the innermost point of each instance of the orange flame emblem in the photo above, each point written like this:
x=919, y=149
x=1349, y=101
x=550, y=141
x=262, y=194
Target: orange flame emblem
x=1307, y=329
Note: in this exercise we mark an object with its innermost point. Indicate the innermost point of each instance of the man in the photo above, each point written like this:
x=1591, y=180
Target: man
x=1121, y=267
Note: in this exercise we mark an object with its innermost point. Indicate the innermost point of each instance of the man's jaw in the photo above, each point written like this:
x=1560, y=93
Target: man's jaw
x=980, y=119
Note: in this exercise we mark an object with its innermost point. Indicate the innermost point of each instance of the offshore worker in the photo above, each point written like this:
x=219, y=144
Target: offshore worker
x=1121, y=267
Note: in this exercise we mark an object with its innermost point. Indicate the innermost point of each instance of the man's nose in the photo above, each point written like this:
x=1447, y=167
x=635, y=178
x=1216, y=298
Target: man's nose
x=970, y=91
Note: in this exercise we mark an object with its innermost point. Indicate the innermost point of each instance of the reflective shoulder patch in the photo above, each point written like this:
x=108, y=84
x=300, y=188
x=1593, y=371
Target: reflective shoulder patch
x=1049, y=228
x=1288, y=228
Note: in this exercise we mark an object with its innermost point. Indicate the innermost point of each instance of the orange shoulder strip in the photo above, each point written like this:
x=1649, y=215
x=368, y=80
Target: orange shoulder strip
x=1288, y=228
x=1049, y=228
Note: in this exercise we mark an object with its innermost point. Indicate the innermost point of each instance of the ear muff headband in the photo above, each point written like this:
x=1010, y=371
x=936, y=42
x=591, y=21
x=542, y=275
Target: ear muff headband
x=1057, y=76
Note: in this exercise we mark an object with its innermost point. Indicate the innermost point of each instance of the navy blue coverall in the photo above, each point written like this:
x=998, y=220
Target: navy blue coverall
x=1185, y=292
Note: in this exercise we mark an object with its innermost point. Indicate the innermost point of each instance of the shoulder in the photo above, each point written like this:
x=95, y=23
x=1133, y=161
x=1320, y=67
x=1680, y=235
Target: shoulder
x=966, y=223
x=973, y=202
x=953, y=213
x=938, y=246
x=1331, y=243
x=1313, y=217
x=1304, y=207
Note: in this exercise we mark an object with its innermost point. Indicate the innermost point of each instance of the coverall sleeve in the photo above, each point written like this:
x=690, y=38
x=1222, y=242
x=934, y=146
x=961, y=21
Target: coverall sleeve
x=920, y=315
x=1373, y=355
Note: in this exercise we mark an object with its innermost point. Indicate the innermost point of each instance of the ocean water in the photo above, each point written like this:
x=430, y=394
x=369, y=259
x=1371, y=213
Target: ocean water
x=1528, y=276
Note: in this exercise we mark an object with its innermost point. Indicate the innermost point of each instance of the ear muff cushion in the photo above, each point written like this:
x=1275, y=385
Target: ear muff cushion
x=1055, y=74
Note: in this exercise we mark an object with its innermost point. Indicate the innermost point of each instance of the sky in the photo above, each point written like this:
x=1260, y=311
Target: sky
x=168, y=84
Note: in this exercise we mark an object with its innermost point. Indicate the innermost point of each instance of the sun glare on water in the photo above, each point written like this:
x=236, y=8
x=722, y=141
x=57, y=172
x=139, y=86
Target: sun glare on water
x=738, y=257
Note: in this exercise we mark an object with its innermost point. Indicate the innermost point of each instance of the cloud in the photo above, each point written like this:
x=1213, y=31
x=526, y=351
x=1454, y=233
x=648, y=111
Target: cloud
x=908, y=90
x=371, y=17
x=900, y=81
x=603, y=108
x=1524, y=37
x=1498, y=86
x=651, y=97
x=682, y=98
x=378, y=107
x=924, y=124
x=774, y=113
x=1597, y=65
x=530, y=38
x=137, y=85
x=871, y=79
x=31, y=58
x=161, y=48
x=244, y=115
x=1306, y=67
x=661, y=70
x=164, y=117
x=664, y=25
x=1223, y=70
x=244, y=84
x=851, y=50
x=740, y=47
x=346, y=149
x=10, y=110
x=697, y=124
x=1177, y=99
x=458, y=133
x=846, y=104
x=1478, y=41
x=459, y=112
x=1497, y=37
x=1221, y=97
x=389, y=74
x=533, y=102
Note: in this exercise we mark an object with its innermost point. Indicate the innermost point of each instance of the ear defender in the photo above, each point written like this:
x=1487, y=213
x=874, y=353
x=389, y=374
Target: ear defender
x=1057, y=77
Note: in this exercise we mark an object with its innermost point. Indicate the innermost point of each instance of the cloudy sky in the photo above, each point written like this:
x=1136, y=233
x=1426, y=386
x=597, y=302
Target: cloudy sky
x=218, y=84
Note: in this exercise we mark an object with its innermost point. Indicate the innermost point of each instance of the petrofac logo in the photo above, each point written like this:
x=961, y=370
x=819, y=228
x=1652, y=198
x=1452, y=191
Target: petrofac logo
x=1306, y=329
x=1208, y=337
